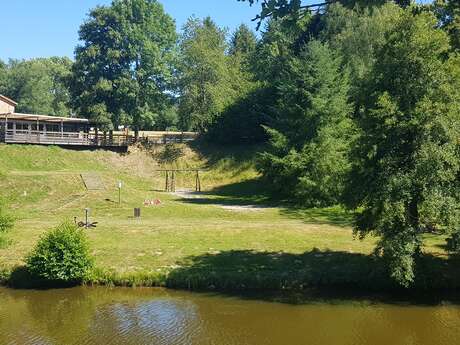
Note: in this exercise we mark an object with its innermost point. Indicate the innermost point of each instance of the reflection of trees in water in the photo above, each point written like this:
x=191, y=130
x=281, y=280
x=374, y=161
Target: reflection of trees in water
x=161, y=321
x=146, y=316
x=96, y=316
x=62, y=316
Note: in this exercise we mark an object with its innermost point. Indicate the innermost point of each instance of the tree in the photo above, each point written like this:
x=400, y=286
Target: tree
x=38, y=85
x=448, y=12
x=243, y=41
x=205, y=82
x=239, y=122
x=3, y=76
x=357, y=34
x=406, y=163
x=123, y=71
x=294, y=9
x=312, y=134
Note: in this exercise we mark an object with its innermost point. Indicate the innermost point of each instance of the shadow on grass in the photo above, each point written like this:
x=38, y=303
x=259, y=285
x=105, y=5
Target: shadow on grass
x=254, y=193
x=312, y=276
x=331, y=215
x=249, y=192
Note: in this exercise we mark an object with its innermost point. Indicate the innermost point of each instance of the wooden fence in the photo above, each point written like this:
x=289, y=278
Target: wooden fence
x=107, y=139
x=66, y=138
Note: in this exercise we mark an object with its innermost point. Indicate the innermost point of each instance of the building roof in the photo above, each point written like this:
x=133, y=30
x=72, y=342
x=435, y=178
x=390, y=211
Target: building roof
x=7, y=100
x=44, y=118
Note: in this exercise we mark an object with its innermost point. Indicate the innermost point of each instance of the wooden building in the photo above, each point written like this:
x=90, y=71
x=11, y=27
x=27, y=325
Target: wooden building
x=17, y=128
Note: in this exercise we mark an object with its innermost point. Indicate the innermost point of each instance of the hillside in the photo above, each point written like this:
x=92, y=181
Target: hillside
x=46, y=177
x=221, y=237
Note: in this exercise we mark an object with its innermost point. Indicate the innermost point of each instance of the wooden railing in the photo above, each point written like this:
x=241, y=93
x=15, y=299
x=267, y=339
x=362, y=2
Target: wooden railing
x=107, y=139
x=168, y=138
x=66, y=138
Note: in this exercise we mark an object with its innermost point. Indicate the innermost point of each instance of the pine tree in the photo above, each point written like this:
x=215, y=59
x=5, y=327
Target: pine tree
x=311, y=137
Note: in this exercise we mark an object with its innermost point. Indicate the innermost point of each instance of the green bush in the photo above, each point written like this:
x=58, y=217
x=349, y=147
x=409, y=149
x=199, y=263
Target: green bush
x=6, y=222
x=170, y=154
x=61, y=255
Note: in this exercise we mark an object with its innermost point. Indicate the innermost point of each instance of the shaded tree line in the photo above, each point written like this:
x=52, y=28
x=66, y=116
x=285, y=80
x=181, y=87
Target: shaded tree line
x=364, y=111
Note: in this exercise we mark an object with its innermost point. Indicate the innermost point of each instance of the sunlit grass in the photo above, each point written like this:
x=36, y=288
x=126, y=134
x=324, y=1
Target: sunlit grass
x=42, y=192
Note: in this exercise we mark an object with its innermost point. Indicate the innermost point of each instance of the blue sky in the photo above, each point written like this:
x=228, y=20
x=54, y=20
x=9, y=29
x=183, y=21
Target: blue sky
x=43, y=28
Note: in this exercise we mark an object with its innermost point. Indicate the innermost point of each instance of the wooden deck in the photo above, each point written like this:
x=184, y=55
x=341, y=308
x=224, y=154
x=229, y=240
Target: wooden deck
x=92, y=139
x=65, y=138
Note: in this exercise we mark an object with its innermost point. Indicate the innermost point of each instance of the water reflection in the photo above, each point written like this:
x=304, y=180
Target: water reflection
x=147, y=316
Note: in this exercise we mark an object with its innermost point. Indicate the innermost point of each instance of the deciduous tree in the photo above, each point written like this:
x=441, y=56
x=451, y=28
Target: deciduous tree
x=406, y=168
x=124, y=68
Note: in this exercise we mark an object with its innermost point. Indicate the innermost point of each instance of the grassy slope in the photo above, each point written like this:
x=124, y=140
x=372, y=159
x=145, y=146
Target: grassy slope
x=197, y=242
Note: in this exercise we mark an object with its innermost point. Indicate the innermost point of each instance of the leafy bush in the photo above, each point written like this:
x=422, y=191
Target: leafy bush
x=61, y=255
x=6, y=222
x=170, y=154
x=453, y=242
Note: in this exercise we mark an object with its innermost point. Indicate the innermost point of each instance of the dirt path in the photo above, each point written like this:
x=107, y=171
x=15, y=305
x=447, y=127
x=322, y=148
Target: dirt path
x=192, y=195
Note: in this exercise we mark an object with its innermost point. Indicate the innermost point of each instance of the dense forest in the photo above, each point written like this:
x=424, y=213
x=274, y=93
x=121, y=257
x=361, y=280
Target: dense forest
x=356, y=101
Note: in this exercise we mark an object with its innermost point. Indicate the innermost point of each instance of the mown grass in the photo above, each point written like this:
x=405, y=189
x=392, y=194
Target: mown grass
x=190, y=243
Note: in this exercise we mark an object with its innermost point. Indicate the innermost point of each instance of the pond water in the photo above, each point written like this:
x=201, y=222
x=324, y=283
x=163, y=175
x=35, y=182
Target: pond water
x=152, y=316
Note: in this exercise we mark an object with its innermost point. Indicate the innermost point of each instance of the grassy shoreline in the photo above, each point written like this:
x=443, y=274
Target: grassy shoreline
x=226, y=239
x=223, y=272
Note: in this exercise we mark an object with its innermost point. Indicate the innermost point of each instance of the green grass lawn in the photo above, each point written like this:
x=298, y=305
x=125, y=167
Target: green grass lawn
x=196, y=242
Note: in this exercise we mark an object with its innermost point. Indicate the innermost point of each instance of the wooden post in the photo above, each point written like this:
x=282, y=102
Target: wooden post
x=86, y=218
x=62, y=129
x=111, y=137
x=38, y=130
x=198, y=182
x=167, y=181
x=96, y=136
x=6, y=125
x=173, y=182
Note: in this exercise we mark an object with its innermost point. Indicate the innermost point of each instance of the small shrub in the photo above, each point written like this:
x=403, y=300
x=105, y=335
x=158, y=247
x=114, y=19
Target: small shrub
x=61, y=255
x=170, y=154
x=453, y=243
x=6, y=222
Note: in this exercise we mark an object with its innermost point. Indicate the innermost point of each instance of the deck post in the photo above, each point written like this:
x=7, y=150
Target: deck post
x=198, y=182
x=62, y=129
x=167, y=181
x=38, y=130
x=96, y=136
x=6, y=125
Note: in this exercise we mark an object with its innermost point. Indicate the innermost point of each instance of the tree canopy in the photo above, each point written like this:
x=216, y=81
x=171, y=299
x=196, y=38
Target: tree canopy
x=123, y=72
x=405, y=174
x=38, y=85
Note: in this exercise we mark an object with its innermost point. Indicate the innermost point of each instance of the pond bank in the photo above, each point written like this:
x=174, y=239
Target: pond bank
x=238, y=272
